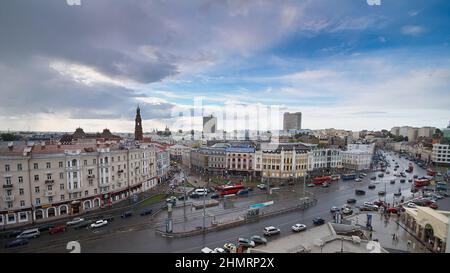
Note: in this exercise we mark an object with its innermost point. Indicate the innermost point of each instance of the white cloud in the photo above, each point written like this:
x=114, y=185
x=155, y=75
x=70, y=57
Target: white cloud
x=412, y=30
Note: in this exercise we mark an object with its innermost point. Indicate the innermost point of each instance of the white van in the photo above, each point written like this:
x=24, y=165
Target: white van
x=201, y=191
x=29, y=233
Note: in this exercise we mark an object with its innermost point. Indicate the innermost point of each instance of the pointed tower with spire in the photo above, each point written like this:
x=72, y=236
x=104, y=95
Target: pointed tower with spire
x=138, y=135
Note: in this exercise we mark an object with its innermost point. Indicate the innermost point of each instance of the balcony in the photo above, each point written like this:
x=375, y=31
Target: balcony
x=120, y=171
x=91, y=176
x=7, y=186
x=8, y=198
x=49, y=193
x=49, y=181
x=74, y=190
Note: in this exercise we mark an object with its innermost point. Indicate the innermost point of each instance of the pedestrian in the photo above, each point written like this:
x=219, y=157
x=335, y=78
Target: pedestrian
x=393, y=237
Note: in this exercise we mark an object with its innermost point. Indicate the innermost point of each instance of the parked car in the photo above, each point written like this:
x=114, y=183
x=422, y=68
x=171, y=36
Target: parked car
x=415, y=176
x=45, y=227
x=182, y=197
x=83, y=224
x=402, y=180
x=334, y=209
x=127, y=214
x=206, y=250
x=229, y=246
x=75, y=221
x=194, y=195
x=411, y=205
x=393, y=210
x=360, y=192
x=218, y=250
x=433, y=206
x=13, y=233
x=146, y=212
x=269, y=231
x=261, y=186
x=410, y=180
x=246, y=242
x=382, y=193
x=325, y=185
x=298, y=227
x=99, y=223
x=372, y=187
x=318, y=221
x=172, y=200
x=16, y=243
x=392, y=182
x=29, y=233
x=258, y=240
x=351, y=201
x=310, y=185
x=358, y=180
x=379, y=203
x=347, y=211
x=57, y=229
x=373, y=178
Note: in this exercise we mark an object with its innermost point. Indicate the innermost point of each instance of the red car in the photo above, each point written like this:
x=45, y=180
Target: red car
x=393, y=210
x=57, y=229
x=433, y=205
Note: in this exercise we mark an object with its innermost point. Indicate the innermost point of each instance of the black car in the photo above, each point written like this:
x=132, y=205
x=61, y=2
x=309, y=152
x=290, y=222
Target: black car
x=17, y=242
x=402, y=180
x=215, y=196
x=371, y=187
x=360, y=192
x=381, y=193
x=392, y=181
x=318, y=221
x=45, y=227
x=181, y=197
x=373, y=178
x=351, y=201
x=146, y=212
x=127, y=214
x=13, y=233
x=83, y=224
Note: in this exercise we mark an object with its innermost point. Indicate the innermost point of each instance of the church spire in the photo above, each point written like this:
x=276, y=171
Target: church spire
x=138, y=135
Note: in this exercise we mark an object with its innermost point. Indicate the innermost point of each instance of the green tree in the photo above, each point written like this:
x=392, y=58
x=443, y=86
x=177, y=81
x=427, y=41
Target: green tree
x=8, y=137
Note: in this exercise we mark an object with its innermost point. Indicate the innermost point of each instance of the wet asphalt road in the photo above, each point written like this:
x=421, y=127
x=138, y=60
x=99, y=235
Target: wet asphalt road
x=137, y=234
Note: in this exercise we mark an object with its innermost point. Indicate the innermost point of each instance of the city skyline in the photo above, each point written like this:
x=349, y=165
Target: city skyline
x=351, y=66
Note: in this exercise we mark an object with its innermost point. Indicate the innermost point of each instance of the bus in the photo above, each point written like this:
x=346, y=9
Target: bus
x=421, y=182
x=431, y=172
x=230, y=189
x=349, y=176
x=321, y=179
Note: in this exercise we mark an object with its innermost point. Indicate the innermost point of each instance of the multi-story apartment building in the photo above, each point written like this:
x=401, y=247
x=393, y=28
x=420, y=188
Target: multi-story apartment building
x=176, y=151
x=324, y=159
x=282, y=161
x=441, y=154
x=210, y=159
x=358, y=156
x=41, y=182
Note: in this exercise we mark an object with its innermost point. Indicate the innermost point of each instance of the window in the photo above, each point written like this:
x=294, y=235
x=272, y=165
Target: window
x=36, y=177
x=91, y=182
x=8, y=180
x=35, y=166
x=22, y=203
x=49, y=187
x=75, y=175
x=112, y=168
x=86, y=193
x=61, y=175
x=23, y=216
x=94, y=161
x=112, y=159
x=95, y=191
x=113, y=178
x=36, y=189
x=90, y=171
x=19, y=167
x=48, y=165
x=50, y=199
x=75, y=185
x=20, y=179
x=60, y=164
x=38, y=201
x=10, y=205
x=11, y=218
x=61, y=186
x=62, y=197
x=1, y=219
x=6, y=168
x=21, y=191
x=49, y=176
x=85, y=163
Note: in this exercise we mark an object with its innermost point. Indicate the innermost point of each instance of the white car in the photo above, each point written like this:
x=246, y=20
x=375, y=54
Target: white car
x=207, y=250
x=99, y=223
x=411, y=205
x=229, y=246
x=269, y=231
x=347, y=211
x=75, y=221
x=298, y=227
x=358, y=180
x=218, y=250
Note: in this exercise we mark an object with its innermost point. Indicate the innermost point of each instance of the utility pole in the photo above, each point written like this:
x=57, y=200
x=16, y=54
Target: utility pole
x=204, y=205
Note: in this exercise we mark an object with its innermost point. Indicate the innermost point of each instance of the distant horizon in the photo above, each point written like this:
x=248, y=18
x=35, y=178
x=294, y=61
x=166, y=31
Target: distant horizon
x=343, y=65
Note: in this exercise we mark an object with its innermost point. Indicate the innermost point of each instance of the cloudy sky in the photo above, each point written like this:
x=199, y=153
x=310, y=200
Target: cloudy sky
x=343, y=64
